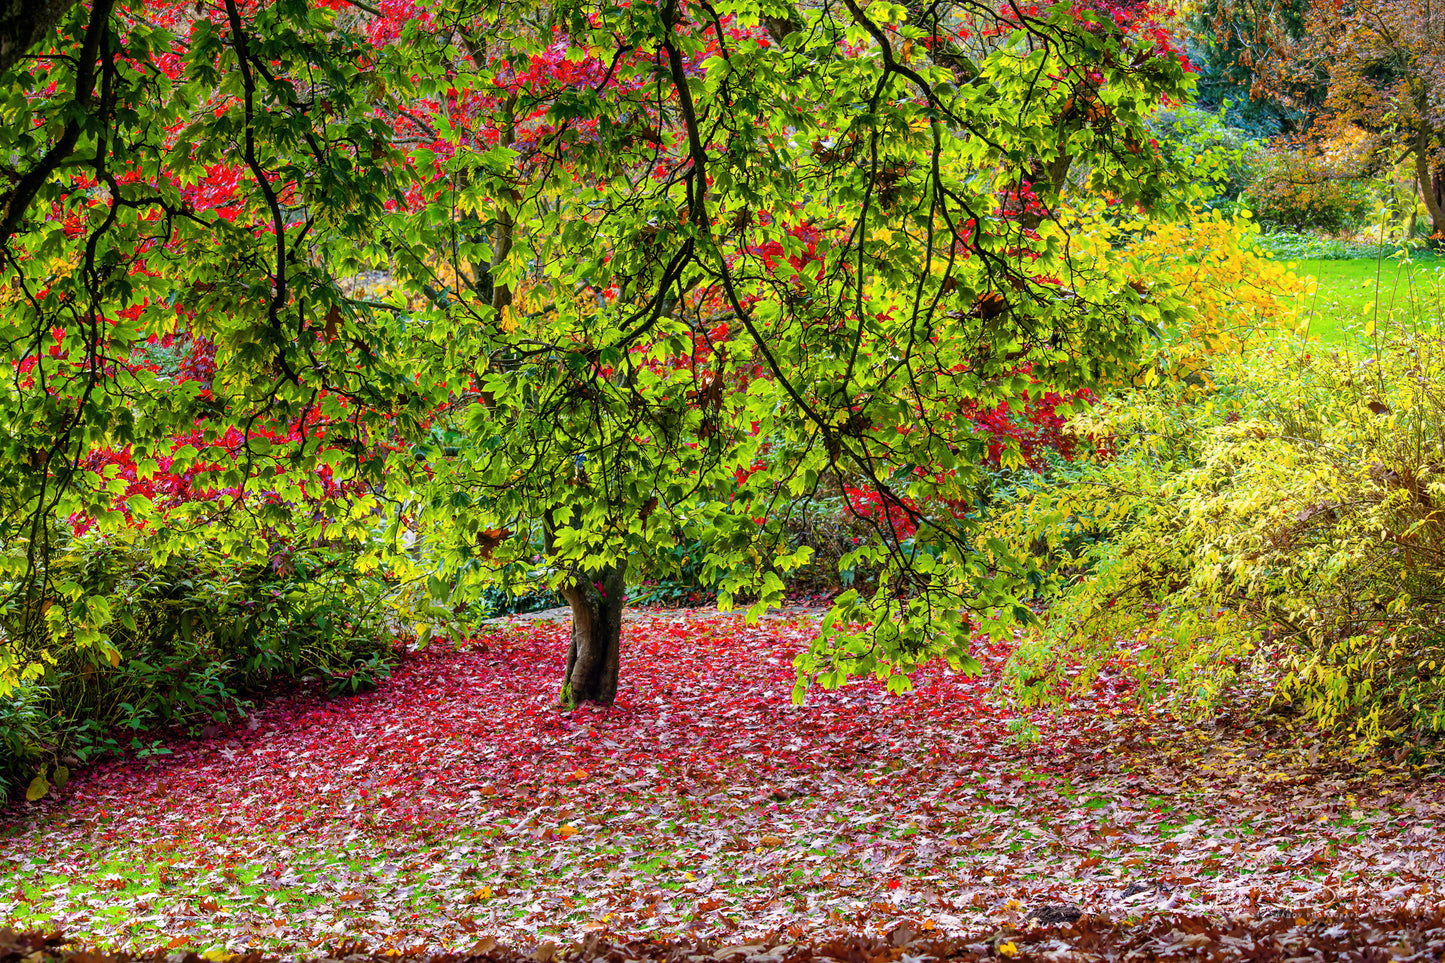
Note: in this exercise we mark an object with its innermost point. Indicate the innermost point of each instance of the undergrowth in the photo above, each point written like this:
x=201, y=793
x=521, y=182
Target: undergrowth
x=192, y=642
x=1282, y=518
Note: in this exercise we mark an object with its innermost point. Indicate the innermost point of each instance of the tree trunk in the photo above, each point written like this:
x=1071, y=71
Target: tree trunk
x=24, y=23
x=596, y=650
x=1431, y=175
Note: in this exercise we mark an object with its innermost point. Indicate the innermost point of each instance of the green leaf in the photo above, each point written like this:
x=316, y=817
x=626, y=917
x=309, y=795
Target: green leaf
x=38, y=787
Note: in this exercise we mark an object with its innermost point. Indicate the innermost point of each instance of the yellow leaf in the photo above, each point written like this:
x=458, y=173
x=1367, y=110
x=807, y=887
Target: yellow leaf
x=1008, y=949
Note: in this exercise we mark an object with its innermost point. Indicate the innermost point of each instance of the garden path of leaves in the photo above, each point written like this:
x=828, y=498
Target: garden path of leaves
x=456, y=803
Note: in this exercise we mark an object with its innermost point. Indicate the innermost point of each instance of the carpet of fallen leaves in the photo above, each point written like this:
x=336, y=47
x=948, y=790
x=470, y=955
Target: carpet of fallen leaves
x=457, y=804
x=1401, y=936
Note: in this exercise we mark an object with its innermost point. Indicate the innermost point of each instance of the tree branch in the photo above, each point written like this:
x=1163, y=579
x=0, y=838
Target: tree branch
x=17, y=200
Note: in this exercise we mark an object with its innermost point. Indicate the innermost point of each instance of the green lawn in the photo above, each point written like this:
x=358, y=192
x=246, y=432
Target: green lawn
x=1349, y=293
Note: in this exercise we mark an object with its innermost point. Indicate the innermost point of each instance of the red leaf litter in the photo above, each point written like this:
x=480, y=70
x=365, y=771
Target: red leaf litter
x=456, y=801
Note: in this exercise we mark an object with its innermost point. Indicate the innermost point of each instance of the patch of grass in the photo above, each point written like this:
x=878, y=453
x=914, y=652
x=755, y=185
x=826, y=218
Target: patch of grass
x=1350, y=293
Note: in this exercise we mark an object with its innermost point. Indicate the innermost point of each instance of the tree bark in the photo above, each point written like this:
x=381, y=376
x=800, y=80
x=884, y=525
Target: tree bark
x=595, y=654
x=23, y=23
x=1432, y=189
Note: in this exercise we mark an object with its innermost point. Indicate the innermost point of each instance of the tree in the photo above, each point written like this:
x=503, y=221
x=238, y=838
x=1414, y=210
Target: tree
x=1224, y=45
x=23, y=23
x=1381, y=63
x=653, y=275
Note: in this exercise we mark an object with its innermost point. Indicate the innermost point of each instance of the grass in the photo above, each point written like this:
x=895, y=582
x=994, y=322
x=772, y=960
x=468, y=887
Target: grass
x=1351, y=293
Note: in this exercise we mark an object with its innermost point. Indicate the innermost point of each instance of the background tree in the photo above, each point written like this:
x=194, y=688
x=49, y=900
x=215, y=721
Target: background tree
x=1225, y=42
x=1380, y=63
x=639, y=277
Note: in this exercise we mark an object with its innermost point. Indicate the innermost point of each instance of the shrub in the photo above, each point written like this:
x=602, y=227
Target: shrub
x=681, y=581
x=1223, y=157
x=191, y=639
x=1302, y=189
x=1286, y=518
x=28, y=741
x=1204, y=270
x=1288, y=245
x=512, y=597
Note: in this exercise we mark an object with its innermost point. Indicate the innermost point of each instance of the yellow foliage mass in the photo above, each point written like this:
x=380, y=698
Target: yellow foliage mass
x=1230, y=295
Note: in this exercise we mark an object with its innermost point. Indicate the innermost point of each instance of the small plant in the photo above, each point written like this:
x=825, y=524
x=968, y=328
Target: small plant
x=1023, y=731
x=363, y=674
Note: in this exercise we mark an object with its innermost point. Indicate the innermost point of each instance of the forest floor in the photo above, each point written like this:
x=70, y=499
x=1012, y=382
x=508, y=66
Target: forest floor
x=456, y=805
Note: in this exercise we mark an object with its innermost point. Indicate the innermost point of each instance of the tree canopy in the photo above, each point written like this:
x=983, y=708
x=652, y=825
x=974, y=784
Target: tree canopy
x=564, y=291
x=1370, y=68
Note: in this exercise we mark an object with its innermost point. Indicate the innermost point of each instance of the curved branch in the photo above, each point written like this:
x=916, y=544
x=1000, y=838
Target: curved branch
x=279, y=285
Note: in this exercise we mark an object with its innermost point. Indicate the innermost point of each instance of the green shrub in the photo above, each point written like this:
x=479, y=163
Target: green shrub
x=1291, y=245
x=511, y=596
x=190, y=641
x=1298, y=189
x=680, y=580
x=1282, y=519
x=1222, y=157
x=28, y=741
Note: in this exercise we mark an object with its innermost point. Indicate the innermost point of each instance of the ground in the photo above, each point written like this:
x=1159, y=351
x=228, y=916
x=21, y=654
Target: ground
x=456, y=803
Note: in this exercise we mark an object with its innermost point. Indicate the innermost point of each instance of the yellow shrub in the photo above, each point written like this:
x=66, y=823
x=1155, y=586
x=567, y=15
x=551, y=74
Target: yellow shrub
x=1227, y=295
x=1286, y=521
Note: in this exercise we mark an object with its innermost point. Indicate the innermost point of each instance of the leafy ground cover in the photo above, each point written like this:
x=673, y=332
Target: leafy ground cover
x=1400, y=935
x=455, y=803
x=1350, y=293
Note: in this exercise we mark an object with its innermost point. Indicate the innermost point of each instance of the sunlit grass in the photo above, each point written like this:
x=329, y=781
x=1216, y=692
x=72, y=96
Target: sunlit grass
x=1349, y=294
